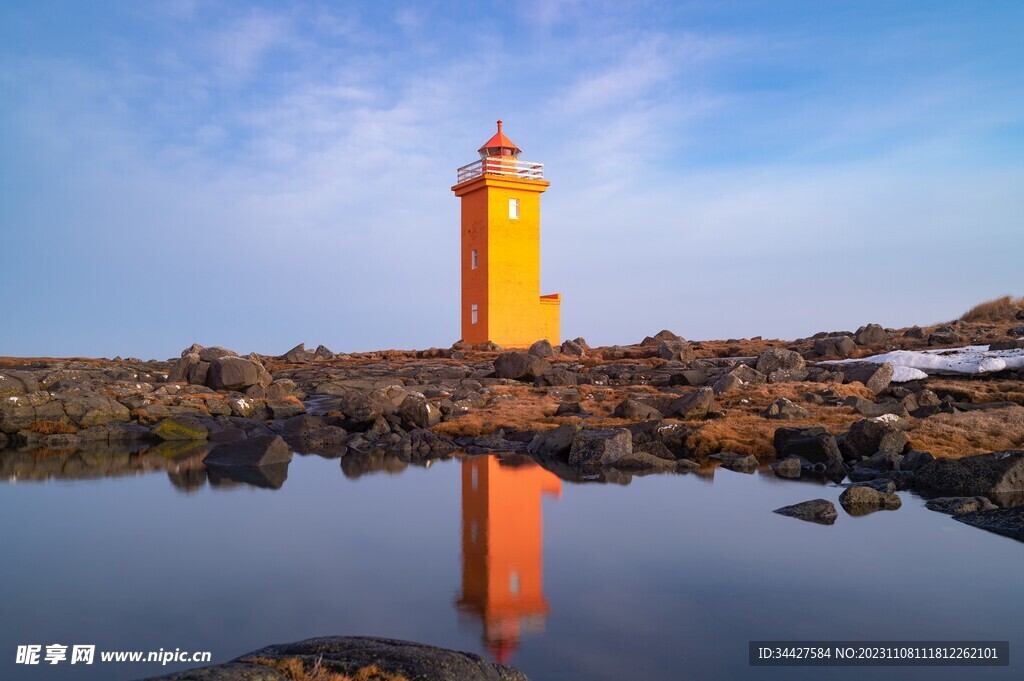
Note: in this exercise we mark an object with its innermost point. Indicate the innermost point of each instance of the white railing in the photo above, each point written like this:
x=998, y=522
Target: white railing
x=501, y=165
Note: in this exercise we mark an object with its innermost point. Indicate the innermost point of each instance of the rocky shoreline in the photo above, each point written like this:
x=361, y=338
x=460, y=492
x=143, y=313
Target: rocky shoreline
x=664, y=405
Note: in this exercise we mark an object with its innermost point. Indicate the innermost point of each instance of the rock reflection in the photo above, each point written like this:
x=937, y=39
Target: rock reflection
x=502, y=545
x=271, y=476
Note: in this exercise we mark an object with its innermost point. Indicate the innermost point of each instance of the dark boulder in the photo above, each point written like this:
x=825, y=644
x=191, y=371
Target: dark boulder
x=868, y=436
x=696, y=376
x=784, y=410
x=635, y=411
x=260, y=450
x=215, y=352
x=1007, y=345
x=520, y=366
x=984, y=474
x=835, y=346
x=542, y=348
x=875, y=376
x=573, y=348
x=775, y=359
x=660, y=438
x=236, y=373
x=694, y=405
x=417, y=412
x=944, y=338
x=675, y=350
x=557, y=378
x=814, y=445
x=870, y=334
x=554, y=443
x=595, y=448
x=362, y=407
x=298, y=354
x=348, y=655
x=568, y=409
x=914, y=459
x=656, y=339
x=819, y=511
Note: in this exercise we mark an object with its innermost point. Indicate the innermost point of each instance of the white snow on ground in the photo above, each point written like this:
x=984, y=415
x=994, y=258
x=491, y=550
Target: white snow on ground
x=910, y=365
x=902, y=374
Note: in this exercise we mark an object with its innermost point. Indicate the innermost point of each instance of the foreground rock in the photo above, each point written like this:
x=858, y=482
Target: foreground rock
x=349, y=654
x=985, y=474
x=1005, y=521
x=861, y=500
x=819, y=511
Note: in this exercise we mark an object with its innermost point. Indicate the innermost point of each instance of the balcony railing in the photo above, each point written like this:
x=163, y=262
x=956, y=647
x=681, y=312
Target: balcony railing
x=501, y=165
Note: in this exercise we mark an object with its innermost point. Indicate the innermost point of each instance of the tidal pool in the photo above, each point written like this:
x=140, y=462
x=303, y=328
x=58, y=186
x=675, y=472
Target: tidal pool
x=667, y=577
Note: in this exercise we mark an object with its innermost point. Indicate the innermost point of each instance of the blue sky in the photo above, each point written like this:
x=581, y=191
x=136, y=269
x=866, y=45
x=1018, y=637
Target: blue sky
x=261, y=174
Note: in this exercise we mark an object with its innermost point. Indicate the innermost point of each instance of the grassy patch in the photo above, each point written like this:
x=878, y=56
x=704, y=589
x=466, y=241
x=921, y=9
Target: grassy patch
x=996, y=310
x=295, y=669
x=51, y=427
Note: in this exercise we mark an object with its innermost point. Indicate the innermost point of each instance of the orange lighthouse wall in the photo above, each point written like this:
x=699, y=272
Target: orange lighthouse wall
x=505, y=284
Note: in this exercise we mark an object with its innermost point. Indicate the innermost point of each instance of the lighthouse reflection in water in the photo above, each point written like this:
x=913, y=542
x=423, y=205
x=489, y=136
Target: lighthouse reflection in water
x=502, y=549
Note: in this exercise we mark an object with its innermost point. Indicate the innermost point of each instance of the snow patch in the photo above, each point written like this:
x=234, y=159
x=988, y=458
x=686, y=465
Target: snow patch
x=909, y=365
x=902, y=374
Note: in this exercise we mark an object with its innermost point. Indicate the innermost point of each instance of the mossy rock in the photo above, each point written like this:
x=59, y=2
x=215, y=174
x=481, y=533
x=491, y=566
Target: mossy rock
x=181, y=428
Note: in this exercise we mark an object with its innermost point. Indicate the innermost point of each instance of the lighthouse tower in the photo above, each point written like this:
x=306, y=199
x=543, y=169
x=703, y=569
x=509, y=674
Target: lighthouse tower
x=501, y=299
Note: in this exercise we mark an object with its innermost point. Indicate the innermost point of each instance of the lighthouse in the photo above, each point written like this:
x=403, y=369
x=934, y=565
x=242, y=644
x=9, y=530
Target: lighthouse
x=501, y=300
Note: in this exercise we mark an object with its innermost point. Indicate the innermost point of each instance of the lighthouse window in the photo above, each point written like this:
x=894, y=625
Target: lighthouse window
x=473, y=314
x=513, y=209
x=475, y=259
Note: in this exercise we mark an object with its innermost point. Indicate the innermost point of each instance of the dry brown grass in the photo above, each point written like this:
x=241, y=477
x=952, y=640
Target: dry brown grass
x=531, y=408
x=51, y=427
x=295, y=669
x=968, y=433
x=995, y=310
x=974, y=390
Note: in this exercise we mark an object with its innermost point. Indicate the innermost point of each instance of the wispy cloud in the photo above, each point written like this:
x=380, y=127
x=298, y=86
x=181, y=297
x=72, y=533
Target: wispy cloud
x=294, y=163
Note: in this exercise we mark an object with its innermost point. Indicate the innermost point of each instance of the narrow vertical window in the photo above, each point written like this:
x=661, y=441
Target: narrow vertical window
x=513, y=209
x=473, y=314
x=475, y=258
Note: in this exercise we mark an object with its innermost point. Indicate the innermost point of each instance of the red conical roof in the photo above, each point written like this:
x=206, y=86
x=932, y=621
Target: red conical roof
x=499, y=140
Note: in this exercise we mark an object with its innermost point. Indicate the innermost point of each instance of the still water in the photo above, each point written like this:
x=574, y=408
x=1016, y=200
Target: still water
x=667, y=577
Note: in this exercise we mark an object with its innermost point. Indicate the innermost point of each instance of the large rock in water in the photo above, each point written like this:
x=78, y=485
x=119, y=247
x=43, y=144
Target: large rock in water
x=820, y=511
x=348, y=654
x=987, y=474
x=261, y=450
x=1005, y=521
x=520, y=366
